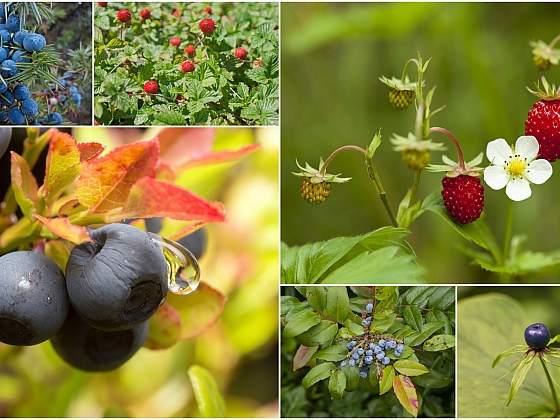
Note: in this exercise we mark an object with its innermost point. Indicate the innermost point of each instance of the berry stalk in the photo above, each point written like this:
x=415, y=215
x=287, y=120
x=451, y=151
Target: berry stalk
x=551, y=384
x=455, y=142
x=418, y=133
x=374, y=176
x=323, y=168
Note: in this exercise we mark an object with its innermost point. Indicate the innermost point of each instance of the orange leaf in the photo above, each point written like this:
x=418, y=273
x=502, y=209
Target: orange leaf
x=62, y=167
x=24, y=185
x=104, y=183
x=66, y=230
x=198, y=310
x=90, y=150
x=151, y=198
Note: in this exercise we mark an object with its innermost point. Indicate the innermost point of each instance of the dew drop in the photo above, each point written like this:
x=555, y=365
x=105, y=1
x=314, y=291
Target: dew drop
x=49, y=299
x=183, y=272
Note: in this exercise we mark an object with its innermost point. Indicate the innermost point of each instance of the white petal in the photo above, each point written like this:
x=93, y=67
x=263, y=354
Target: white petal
x=539, y=171
x=527, y=147
x=498, y=151
x=518, y=189
x=496, y=177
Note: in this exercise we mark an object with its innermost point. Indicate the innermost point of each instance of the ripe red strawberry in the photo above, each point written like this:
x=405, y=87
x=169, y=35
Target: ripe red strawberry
x=151, y=86
x=102, y=3
x=463, y=197
x=187, y=66
x=207, y=26
x=123, y=15
x=241, y=53
x=544, y=124
x=175, y=41
x=189, y=49
x=208, y=10
x=145, y=13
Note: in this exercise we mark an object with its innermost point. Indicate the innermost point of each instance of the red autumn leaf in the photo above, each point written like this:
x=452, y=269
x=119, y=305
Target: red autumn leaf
x=152, y=198
x=104, y=183
x=66, y=230
x=24, y=185
x=187, y=148
x=90, y=150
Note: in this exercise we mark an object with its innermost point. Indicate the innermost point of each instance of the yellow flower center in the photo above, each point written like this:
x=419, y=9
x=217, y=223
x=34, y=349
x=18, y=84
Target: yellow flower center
x=517, y=166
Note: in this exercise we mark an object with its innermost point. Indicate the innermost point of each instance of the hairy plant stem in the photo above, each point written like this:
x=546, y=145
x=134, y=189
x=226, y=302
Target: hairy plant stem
x=554, y=41
x=507, y=234
x=415, y=186
x=323, y=168
x=406, y=66
x=455, y=142
x=551, y=384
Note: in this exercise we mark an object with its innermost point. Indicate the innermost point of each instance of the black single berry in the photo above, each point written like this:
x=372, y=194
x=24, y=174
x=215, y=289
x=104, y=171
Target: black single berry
x=537, y=336
x=119, y=280
x=33, y=298
x=87, y=348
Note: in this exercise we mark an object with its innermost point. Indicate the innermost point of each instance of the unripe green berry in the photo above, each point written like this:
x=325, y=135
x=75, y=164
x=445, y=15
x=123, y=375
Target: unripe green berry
x=416, y=160
x=542, y=63
x=401, y=99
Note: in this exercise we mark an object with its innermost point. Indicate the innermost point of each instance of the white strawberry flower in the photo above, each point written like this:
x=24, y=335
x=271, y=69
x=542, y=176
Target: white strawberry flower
x=516, y=167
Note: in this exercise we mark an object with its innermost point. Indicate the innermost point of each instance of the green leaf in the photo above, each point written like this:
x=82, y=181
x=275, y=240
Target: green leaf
x=434, y=379
x=354, y=328
x=315, y=336
x=300, y=323
x=337, y=303
x=208, y=398
x=413, y=317
x=24, y=186
x=519, y=375
x=518, y=348
x=318, y=373
x=294, y=402
x=287, y=303
x=440, y=316
x=296, y=309
x=374, y=145
x=406, y=394
x=410, y=368
x=334, y=353
x=405, y=214
x=316, y=296
x=385, y=292
x=492, y=323
x=169, y=118
x=352, y=377
x=379, y=326
x=427, y=330
x=387, y=377
x=303, y=356
x=439, y=342
x=337, y=384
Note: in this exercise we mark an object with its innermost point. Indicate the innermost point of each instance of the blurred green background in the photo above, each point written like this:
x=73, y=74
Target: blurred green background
x=332, y=56
x=240, y=350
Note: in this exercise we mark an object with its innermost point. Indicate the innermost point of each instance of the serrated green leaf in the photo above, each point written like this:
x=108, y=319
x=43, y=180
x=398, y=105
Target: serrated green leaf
x=337, y=384
x=439, y=342
x=334, y=353
x=413, y=317
x=354, y=328
x=410, y=368
x=337, y=303
x=115, y=43
x=294, y=402
x=300, y=323
x=440, y=316
x=321, y=333
x=406, y=394
x=296, y=309
x=318, y=373
x=427, y=330
x=375, y=142
x=386, y=382
x=170, y=118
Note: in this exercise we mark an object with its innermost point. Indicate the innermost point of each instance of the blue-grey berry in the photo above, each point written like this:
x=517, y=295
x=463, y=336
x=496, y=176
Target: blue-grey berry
x=398, y=353
x=386, y=361
x=369, y=307
x=355, y=356
x=380, y=355
x=382, y=343
x=343, y=363
x=377, y=349
x=368, y=360
x=400, y=348
x=351, y=362
x=365, y=323
x=360, y=351
x=351, y=345
x=369, y=352
x=363, y=374
x=372, y=345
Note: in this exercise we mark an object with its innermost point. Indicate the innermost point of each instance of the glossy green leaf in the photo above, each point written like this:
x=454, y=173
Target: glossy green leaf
x=318, y=373
x=385, y=292
x=303, y=356
x=413, y=317
x=433, y=379
x=518, y=348
x=439, y=342
x=287, y=303
x=354, y=328
x=410, y=368
x=208, y=397
x=352, y=377
x=427, y=330
x=317, y=297
x=379, y=326
x=519, y=375
x=321, y=333
x=440, y=316
x=386, y=382
x=334, y=353
x=300, y=323
x=337, y=303
x=406, y=393
x=337, y=384
x=296, y=309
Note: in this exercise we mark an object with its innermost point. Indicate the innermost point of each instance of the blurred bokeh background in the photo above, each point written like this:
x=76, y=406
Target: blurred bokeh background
x=332, y=57
x=240, y=350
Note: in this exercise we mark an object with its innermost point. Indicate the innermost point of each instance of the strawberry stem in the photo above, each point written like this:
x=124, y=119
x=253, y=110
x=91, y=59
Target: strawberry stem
x=323, y=168
x=554, y=41
x=405, y=71
x=455, y=142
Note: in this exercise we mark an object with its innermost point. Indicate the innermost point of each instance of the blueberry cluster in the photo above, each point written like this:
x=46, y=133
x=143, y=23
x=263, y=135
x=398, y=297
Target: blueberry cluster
x=17, y=48
x=67, y=93
x=96, y=314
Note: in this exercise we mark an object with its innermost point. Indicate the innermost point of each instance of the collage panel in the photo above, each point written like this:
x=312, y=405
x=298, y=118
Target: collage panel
x=185, y=63
x=45, y=63
x=507, y=352
x=139, y=272
x=367, y=351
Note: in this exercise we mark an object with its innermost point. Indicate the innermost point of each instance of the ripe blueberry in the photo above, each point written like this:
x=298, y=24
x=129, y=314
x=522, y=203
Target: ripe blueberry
x=537, y=336
x=16, y=116
x=400, y=348
x=34, y=302
x=55, y=118
x=380, y=355
x=119, y=280
x=34, y=42
x=368, y=360
x=21, y=92
x=351, y=363
x=369, y=307
x=29, y=107
x=386, y=361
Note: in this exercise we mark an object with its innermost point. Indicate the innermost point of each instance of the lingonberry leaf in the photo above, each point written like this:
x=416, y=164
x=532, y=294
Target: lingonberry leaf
x=303, y=356
x=65, y=229
x=406, y=393
x=165, y=326
x=149, y=197
x=208, y=397
x=104, y=183
x=198, y=311
x=24, y=185
x=63, y=165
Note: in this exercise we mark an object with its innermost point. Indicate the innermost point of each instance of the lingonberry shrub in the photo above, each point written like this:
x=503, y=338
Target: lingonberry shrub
x=381, y=345
x=519, y=166
x=220, y=90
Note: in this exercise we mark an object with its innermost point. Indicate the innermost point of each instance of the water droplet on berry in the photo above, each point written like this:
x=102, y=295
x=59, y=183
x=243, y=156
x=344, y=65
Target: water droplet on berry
x=183, y=272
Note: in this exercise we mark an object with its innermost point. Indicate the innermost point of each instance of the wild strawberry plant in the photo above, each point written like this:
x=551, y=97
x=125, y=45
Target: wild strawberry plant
x=377, y=350
x=214, y=64
x=384, y=255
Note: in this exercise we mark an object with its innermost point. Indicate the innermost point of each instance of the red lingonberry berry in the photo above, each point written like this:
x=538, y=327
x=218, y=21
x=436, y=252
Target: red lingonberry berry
x=145, y=13
x=123, y=15
x=187, y=66
x=151, y=86
x=175, y=41
x=544, y=124
x=208, y=10
x=189, y=49
x=207, y=26
x=241, y=53
x=463, y=197
x=102, y=3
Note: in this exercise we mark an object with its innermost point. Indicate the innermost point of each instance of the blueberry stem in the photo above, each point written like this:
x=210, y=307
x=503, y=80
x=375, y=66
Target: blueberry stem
x=551, y=384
